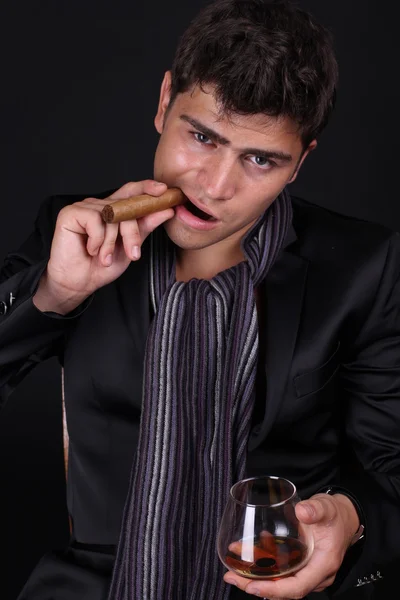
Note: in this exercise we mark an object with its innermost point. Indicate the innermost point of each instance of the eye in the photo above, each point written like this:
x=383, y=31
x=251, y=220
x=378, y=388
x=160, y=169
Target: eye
x=201, y=137
x=261, y=161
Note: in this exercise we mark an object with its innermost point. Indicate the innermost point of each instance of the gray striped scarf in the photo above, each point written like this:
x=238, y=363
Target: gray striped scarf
x=198, y=396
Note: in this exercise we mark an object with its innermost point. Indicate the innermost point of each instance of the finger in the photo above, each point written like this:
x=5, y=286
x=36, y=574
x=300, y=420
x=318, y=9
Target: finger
x=108, y=246
x=150, y=222
x=135, y=188
x=83, y=220
x=236, y=547
x=131, y=237
x=95, y=230
x=318, y=570
x=96, y=203
x=267, y=589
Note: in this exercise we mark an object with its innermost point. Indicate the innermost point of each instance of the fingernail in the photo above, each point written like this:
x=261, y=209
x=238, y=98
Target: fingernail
x=159, y=183
x=136, y=252
x=108, y=260
x=230, y=581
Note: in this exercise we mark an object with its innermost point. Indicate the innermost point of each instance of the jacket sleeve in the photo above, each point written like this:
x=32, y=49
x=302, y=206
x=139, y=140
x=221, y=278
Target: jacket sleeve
x=370, y=389
x=28, y=336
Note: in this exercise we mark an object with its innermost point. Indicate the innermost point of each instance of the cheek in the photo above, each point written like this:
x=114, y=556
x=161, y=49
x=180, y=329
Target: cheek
x=268, y=190
x=172, y=158
x=254, y=205
x=180, y=157
x=183, y=165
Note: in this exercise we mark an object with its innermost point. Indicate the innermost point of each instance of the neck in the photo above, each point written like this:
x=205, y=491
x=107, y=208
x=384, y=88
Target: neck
x=205, y=263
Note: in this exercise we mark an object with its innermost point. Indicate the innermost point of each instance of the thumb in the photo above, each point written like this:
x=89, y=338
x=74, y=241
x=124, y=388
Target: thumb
x=316, y=509
x=306, y=512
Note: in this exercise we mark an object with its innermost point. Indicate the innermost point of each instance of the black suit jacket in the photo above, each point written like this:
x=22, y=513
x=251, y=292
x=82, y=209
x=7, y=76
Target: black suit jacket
x=328, y=408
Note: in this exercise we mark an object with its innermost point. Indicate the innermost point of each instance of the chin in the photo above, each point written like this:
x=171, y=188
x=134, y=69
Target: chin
x=187, y=240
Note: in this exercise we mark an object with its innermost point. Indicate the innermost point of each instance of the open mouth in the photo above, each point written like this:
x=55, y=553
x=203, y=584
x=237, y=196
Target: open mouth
x=197, y=212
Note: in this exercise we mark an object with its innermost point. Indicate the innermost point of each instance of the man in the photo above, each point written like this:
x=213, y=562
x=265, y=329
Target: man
x=242, y=333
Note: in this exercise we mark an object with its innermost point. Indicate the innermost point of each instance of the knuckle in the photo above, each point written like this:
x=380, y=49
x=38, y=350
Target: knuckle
x=108, y=245
x=86, y=204
x=322, y=505
x=65, y=211
x=153, y=186
x=125, y=190
x=130, y=229
x=94, y=227
x=132, y=240
x=111, y=232
x=94, y=204
x=131, y=188
x=127, y=186
x=95, y=241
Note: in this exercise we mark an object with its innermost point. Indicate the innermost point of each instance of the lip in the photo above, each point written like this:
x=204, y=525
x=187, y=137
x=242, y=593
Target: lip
x=190, y=220
x=201, y=207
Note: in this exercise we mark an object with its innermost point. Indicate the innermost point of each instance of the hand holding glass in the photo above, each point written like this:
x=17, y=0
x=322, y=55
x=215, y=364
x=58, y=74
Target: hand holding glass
x=260, y=536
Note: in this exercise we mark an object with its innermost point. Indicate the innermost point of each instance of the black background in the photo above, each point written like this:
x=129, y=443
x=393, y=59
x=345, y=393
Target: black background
x=80, y=85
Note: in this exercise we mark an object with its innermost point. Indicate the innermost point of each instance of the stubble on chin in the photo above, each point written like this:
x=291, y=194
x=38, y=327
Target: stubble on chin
x=185, y=239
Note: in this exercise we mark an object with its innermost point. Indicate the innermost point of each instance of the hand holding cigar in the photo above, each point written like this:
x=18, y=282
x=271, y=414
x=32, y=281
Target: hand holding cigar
x=136, y=207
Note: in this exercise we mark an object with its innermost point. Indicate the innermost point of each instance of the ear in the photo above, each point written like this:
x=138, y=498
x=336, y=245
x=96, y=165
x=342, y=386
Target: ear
x=306, y=152
x=163, y=103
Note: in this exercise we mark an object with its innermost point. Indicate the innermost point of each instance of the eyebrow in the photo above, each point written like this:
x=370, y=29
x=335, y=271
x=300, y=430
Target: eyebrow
x=216, y=137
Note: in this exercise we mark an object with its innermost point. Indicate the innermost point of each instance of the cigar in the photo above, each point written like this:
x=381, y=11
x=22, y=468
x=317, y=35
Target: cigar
x=136, y=207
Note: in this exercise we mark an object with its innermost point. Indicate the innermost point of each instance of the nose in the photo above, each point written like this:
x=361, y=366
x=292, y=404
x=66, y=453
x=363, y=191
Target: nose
x=217, y=178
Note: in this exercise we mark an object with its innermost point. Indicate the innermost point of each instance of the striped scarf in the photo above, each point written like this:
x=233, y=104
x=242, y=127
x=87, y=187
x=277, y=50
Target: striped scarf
x=198, y=396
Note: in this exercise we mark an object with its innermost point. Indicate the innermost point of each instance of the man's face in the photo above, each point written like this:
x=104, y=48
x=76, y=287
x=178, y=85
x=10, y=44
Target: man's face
x=231, y=167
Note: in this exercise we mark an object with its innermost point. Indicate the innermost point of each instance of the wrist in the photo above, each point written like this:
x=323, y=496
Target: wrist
x=50, y=297
x=354, y=514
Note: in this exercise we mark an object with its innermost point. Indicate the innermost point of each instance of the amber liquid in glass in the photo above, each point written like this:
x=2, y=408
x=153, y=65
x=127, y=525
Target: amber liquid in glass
x=273, y=558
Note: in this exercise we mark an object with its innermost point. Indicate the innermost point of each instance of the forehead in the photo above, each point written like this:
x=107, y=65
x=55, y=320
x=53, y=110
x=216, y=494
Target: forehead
x=202, y=104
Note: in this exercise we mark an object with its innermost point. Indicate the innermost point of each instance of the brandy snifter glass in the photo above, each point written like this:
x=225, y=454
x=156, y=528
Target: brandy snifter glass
x=260, y=536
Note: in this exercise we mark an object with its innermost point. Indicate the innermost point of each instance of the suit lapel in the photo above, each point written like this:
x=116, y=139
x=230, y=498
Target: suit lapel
x=133, y=290
x=283, y=297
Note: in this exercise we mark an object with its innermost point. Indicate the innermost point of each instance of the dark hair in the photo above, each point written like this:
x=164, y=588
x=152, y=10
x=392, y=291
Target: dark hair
x=262, y=56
